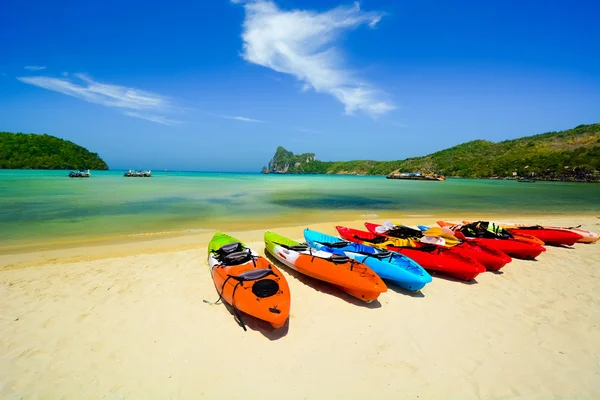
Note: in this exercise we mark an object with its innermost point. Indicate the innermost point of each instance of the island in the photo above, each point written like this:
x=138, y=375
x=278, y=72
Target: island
x=33, y=151
x=570, y=155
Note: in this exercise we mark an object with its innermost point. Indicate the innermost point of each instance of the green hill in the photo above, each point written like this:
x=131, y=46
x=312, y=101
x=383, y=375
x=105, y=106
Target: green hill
x=553, y=155
x=32, y=151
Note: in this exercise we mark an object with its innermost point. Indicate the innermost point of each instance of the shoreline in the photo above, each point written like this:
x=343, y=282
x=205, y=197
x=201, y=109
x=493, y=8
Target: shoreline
x=23, y=255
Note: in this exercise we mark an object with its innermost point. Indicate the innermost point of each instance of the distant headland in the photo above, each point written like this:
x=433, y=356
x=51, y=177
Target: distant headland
x=33, y=151
x=571, y=155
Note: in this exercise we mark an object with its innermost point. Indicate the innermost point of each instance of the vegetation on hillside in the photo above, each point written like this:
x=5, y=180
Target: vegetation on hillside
x=553, y=155
x=32, y=151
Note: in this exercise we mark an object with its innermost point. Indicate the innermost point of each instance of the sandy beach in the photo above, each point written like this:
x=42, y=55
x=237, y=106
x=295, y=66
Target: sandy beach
x=128, y=321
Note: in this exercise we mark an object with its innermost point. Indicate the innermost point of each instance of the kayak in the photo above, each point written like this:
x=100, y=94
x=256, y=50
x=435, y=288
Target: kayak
x=556, y=237
x=513, y=247
x=396, y=230
x=586, y=236
x=551, y=236
x=247, y=281
x=392, y=267
x=432, y=258
x=522, y=237
x=492, y=259
x=352, y=277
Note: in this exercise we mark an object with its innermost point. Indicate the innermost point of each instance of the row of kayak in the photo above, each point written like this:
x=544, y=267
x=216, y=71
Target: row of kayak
x=359, y=261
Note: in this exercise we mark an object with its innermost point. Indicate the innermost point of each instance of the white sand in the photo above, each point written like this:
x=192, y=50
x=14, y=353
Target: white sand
x=94, y=323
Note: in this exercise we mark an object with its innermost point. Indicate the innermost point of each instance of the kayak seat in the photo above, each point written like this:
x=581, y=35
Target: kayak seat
x=382, y=255
x=236, y=258
x=298, y=248
x=338, y=259
x=376, y=240
x=335, y=245
x=229, y=248
x=428, y=248
x=403, y=232
x=253, y=275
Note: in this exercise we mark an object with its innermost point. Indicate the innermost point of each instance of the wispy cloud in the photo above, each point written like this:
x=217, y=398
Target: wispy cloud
x=301, y=43
x=34, y=67
x=152, y=104
x=154, y=118
x=243, y=119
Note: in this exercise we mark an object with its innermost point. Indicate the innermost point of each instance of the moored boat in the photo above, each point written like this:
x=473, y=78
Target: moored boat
x=80, y=174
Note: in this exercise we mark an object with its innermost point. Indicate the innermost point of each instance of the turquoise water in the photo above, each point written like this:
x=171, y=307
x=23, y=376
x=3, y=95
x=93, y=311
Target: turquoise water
x=43, y=206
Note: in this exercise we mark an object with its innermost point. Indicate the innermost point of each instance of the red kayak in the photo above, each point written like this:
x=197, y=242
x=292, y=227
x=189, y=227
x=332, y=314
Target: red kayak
x=432, y=258
x=556, y=237
x=492, y=259
x=513, y=247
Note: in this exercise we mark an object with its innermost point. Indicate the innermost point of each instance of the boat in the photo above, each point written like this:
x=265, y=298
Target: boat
x=393, y=267
x=551, y=236
x=347, y=274
x=247, y=281
x=79, y=174
x=432, y=258
x=416, y=176
x=496, y=229
x=138, y=174
x=586, y=236
x=492, y=259
x=504, y=242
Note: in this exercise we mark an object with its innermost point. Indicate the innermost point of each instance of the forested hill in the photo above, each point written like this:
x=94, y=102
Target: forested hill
x=551, y=155
x=32, y=151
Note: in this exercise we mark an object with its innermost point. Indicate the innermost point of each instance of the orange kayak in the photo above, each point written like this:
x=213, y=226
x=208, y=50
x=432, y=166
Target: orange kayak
x=351, y=276
x=248, y=282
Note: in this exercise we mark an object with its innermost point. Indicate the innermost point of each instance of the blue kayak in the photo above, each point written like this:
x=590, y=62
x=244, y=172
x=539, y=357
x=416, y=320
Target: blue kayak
x=390, y=266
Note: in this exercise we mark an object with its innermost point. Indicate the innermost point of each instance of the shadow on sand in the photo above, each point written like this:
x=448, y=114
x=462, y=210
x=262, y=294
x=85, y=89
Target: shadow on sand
x=255, y=324
x=321, y=286
x=405, y=292
x=451, y=279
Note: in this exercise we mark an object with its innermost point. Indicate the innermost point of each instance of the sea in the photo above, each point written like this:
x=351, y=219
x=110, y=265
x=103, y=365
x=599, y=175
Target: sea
x=41, y=207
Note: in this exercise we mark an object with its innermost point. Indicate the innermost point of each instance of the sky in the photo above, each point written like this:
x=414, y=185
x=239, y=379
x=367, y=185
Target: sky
x=217, y=85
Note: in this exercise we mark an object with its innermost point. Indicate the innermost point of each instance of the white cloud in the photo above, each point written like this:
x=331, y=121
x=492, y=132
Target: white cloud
x=34, y=67
x=154, y=118
x=300, y=43
x=243, y=119
x=107, y=95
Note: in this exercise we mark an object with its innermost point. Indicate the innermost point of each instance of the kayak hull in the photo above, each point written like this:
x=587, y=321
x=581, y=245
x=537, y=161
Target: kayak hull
x=248, y=295
x=352, y=277
x=396, y=268
x=439, y=259
x=555, y=237
x=512, y=247
x=492, y=259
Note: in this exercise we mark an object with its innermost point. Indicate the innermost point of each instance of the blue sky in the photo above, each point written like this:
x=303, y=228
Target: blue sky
x=218, y=85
